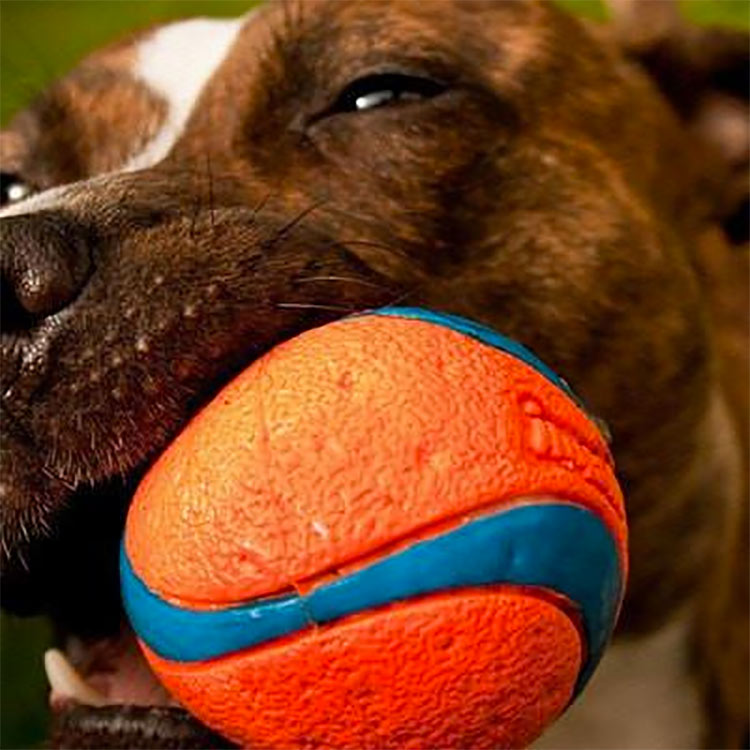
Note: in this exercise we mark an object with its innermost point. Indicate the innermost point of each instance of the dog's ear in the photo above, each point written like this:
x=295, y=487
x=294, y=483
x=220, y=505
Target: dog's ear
x=705, y=73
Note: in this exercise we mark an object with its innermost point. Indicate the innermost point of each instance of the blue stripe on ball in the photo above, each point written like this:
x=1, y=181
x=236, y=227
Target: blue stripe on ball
x=557, y=546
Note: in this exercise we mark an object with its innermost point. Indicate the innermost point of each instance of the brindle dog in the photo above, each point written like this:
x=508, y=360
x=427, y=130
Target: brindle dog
x=184, y=200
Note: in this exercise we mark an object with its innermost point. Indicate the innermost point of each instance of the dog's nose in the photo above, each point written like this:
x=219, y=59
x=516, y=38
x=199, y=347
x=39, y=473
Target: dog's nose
x=46, y=261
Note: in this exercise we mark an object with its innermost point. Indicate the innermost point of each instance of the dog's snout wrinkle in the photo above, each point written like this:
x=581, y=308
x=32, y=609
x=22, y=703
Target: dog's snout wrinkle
x=46, y=261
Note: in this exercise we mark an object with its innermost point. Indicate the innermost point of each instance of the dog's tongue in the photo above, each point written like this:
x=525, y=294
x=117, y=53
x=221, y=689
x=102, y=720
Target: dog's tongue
x=105, y=672
x=103, y=694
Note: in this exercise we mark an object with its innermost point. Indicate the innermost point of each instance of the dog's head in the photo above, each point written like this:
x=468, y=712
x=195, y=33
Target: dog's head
x=183, y=201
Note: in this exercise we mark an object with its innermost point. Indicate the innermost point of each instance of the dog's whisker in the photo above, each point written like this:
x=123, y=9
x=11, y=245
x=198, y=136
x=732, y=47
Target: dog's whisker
x=260, y=205
x=314, y=306
x=291, y=225
x=300, y=217
x=372, y=244
x=401, y=297
x=194, y=218
x=210, y=175
x=343, y=279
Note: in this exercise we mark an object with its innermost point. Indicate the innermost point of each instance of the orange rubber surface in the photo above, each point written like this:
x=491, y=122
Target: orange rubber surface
x=349, y=438
x=466, y=669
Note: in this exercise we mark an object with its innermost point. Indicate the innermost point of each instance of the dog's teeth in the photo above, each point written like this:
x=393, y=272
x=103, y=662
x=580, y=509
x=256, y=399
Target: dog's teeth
x=66, y=683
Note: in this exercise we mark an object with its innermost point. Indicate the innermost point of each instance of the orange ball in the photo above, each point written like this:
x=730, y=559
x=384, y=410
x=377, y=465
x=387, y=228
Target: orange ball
x=397, y=530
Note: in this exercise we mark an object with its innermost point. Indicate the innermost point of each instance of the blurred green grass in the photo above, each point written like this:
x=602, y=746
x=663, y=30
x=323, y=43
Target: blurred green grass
x=40, y=40
x=23, y=685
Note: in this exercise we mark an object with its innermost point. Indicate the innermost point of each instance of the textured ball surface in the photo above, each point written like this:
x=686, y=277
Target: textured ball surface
x=473, y=669
x=346, y=548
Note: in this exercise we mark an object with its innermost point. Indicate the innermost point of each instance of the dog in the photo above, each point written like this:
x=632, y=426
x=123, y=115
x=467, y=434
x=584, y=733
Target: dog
x=188, y=198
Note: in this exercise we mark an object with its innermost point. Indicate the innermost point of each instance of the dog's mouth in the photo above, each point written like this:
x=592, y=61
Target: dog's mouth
x=101, y=691
x=103, y=694
x=60, y=549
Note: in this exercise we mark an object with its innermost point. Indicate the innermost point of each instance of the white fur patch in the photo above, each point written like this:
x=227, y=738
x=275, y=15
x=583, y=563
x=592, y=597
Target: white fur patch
x=177, y=62
x=641, y=696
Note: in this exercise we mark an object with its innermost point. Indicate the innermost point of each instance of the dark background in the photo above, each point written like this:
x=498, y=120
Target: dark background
x=40, y=40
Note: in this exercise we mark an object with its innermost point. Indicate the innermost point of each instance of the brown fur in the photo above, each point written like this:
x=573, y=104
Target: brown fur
x=552, y=192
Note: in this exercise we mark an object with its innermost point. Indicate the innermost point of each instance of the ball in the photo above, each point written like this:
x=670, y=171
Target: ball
x=398, y=530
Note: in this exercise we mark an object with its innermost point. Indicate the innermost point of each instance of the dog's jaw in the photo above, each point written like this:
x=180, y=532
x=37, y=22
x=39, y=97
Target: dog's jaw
x=174, y=85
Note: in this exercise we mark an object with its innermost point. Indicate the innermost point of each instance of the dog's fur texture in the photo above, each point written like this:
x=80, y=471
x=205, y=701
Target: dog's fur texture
x=575, y=187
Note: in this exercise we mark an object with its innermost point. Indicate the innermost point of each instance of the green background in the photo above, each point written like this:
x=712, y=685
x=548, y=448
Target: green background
x=39, y=40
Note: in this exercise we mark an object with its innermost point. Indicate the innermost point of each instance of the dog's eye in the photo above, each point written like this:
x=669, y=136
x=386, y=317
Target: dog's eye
x=13, y=188
x=385, y=89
